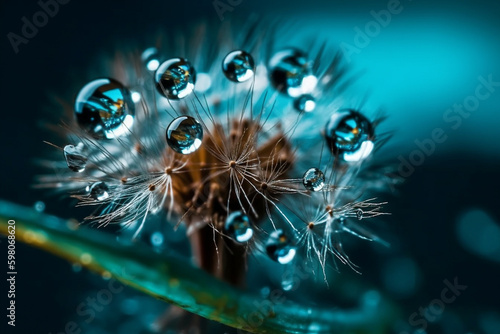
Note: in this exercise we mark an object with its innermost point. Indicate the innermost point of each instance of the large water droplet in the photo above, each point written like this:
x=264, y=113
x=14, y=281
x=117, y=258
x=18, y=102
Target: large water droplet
x=238, y=227
x=184, y=134
x=175, y=78
x=75, y=158
x=279, y=248
x=238, y=66
x=151, y=59
x=314, y=179
x=104, y=108
x=304, y=103
x=99, y=191
x=291, y=73
x=349, y=135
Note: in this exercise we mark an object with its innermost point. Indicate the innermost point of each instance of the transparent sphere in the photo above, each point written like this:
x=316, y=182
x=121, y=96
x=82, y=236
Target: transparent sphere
x=314, y=179
x=238, y=227
x=175, y=78
x=279, y=247
x=304, y=103
x=75, y=158
x=104, y=108
x=184, y=134
x=349, y=135
x=238, y=66
x=99, y=191
x=290, y=72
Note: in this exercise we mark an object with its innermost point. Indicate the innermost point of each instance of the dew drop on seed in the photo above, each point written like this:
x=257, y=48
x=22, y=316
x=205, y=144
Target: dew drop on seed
x=359, y=214
x=104, y=108
x=291, y=73
x=349, y=135
x=151, y=59
x=184, y=134
x=99, y=191
x=314, y=179
x=279, y=248
x=75, y=158
x=304, y=103
x=238, y=66
x=175, y=78
x=238, y=227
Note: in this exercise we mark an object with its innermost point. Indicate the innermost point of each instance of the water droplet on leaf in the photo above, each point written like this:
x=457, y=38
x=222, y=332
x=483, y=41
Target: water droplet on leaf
x=104, y=108
x=349, y=135
x=304, y=103
x=184, y=135
x=75, y=158
x=238, y=227
x=314, y=179
x=238, y=66
x=291, y=73
x=279, y=248
x=99, y=191
x=175, y=78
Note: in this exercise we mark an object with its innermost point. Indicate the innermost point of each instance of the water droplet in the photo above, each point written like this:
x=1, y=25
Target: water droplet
x=136, y=97
x=238, y=227
x=175, y=78
x=304, y=103
x=39, y=206
x=291, y=73
x=184, y=135
x=104, y=108
x=238, y=66
x=157, y=239
x=99, y=191
x=359, y=214
x=151, y=59
x=349, y=134
x=314, y=179
x=75, y=158
x=279, y=248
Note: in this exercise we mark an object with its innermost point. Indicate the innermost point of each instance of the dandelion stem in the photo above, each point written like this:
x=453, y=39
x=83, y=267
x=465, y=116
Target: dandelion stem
x=174, y=280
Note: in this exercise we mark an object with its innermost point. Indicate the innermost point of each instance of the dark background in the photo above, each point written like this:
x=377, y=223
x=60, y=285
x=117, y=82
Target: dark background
x=427, y=59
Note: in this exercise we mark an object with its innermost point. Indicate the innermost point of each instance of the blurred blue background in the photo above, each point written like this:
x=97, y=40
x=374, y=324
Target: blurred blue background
x=445, y=219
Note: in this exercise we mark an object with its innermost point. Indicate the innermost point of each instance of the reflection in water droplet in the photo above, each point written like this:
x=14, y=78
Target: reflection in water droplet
x=184, y=135
x=151, y=59
x=314, y=179
x=349, y=134
x=238, y=227
x=75, y=158
x=291, y=73
x=104, y=108
x=99, y=191
x=304, y=103
x=359, y=214
x=175, y=78
x=238, y=66
x=279, y=248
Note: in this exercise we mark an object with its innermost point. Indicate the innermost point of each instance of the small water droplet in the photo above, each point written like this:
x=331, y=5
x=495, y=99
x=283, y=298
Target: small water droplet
x=349, y=134
x=104, y=108
x=279, y=248
x=75, y=158
x=39, y=206
x=238, y=227
x=359, y=214
x=238, y=66
x=99, y=191
x=184, y=134
x=314, y=179
x=304, y=103
x=157, y=239
x=175, y=78
x=291, y=73
x=151, y=59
